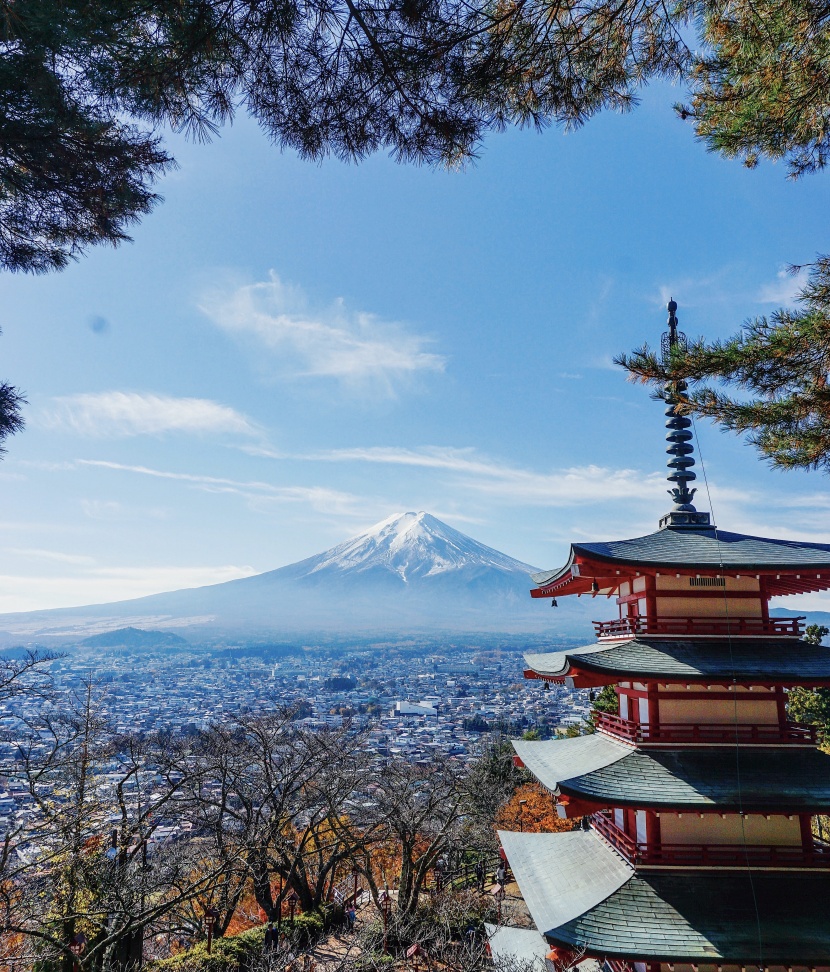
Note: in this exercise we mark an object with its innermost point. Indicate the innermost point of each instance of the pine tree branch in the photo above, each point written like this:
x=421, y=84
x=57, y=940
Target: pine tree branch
x=769, y=381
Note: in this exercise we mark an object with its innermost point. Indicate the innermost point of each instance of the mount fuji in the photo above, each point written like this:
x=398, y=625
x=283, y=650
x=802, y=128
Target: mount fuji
x=409, y=574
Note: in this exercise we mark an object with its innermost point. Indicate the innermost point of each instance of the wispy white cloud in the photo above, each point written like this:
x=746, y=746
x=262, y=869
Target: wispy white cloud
x=259, y=493
x=784, y=290
x=165, y=474
x=56, y=556
x=486, y=475
x=697, y=291
x=113, y=510
x=568, y=486
x=120, y=413
x=351, y=346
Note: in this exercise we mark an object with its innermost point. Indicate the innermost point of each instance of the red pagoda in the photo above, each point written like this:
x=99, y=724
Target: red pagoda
x=698, y=849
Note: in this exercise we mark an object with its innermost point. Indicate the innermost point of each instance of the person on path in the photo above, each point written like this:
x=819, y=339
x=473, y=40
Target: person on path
x=480, y=875
x=501, y=874
x=351, y=916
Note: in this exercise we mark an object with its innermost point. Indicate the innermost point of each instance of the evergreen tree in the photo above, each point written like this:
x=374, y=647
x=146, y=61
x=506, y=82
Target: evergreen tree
x=11, y=412
x=760, y=87
x=812, y=707
x=11, y=417
x=85, y=87
x=607, y=700
x=768, y=382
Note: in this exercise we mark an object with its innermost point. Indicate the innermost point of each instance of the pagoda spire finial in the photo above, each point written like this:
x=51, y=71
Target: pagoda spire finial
x=679, y=438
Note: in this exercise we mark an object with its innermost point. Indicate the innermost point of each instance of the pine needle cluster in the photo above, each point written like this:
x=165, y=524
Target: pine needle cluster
x=768, y=382
x=760, y=87
x=85, y=88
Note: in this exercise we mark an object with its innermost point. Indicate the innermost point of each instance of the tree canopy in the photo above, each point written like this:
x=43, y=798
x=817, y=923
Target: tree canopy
x=87, y=87
x=759, y=86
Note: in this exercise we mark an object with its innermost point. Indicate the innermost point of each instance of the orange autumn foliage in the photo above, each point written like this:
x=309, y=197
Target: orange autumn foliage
x=248, y=914
x=536, y=814
x=13, y=952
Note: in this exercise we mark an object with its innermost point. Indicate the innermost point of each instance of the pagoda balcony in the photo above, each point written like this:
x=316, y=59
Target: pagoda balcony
x=698, y=626
x=691, y=734
x=710, y=855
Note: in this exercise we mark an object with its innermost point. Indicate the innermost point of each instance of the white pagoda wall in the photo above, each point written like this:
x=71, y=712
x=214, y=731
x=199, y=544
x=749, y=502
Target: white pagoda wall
x=711, y=828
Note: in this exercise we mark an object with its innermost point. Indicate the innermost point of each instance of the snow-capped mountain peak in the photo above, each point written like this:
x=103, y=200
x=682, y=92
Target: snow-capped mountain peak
x=412, y=545
x=409, y=574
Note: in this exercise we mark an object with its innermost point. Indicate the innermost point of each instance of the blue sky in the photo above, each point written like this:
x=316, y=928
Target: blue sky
x=290, y=352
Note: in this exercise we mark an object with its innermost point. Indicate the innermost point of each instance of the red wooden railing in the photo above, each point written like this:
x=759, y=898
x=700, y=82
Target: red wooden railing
x=626, y=627
x=604, y=825
x=793, y=733
x=710, y=855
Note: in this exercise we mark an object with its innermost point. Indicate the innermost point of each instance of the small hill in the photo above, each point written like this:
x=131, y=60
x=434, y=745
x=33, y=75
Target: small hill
x=135, y=638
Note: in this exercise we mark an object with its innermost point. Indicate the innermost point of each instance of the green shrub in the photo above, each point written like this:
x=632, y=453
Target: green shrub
x=373, y=960
x=307, y=928
x=238, y=952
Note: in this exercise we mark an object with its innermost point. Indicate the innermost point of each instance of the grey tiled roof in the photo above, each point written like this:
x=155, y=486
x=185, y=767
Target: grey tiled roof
x=556, y=760
x=681, y=548
x=524, y=946
x=556, y=662
x=612, y=774
x=711, y=917
x=525, y=949
x=747, y=660
x=668, y=916
x=562, y=880
x=770, y=779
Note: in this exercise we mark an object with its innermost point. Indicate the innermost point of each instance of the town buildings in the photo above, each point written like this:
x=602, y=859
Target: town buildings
x=475, y=689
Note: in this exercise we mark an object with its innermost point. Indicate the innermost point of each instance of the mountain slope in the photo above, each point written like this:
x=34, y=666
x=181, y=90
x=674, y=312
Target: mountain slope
x=410, y=573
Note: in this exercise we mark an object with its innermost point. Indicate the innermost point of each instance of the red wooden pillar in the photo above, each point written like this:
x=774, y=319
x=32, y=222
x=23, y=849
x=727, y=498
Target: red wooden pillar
x=764, y=600
x=651, y=599
x=653, y=708
x=781, y=705
x=653, y=832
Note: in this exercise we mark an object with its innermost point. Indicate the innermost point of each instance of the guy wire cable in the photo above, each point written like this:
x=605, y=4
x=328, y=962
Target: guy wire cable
x=734, y=704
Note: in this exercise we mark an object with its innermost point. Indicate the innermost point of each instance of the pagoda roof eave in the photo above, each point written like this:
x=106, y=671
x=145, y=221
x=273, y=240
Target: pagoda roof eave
x=526, y=948
x=597, y=771
x=689, y=551
x=668, y=916
x=524, y=945
x=706, y=916
x=550, y=578
x=561, y=887
x=762, y=661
